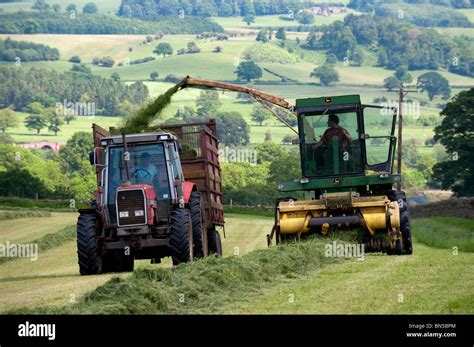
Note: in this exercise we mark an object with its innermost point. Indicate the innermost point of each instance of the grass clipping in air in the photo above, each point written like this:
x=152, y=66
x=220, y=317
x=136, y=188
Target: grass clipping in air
x=140, y=121
x=204, y=286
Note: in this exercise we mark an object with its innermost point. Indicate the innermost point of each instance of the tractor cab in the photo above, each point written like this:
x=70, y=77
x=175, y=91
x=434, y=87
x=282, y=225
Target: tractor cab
x=154, y=174
x=341, y=137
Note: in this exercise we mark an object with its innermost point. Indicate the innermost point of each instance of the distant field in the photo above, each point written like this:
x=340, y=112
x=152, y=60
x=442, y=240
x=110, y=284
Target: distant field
x=105, y=6
x=82, y=123
x=457, y=31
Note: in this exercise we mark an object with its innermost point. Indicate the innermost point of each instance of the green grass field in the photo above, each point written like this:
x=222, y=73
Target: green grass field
x=104, y=6
x=430, y=281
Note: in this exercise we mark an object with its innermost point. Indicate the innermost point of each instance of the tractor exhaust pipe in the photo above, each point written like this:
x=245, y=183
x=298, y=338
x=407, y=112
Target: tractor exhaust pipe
x=126, y=158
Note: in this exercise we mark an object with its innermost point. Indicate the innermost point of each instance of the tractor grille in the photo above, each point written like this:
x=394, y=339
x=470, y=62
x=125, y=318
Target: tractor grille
x=131, y=209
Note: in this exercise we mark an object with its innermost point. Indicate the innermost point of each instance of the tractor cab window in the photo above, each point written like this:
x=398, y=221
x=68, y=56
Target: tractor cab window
x=331, y=143
x=379, y=126
x=147, y=166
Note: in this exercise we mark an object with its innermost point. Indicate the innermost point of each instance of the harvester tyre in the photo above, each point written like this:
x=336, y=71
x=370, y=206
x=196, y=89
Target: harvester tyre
x=87, y=244
x=195, y=205
x=180, y=233
x=406, y=232
x=214, y=241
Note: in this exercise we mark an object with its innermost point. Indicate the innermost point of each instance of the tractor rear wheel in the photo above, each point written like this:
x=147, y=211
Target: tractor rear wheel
x=87, y=244
x=214, y=241
x=181, y=232
x=195, y=204
x=405, y=229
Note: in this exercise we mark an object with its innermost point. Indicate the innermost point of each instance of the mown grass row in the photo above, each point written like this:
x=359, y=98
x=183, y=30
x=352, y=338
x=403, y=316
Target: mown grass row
x=445, y=232
x=17, y=214
x=202, y=286
x=51, y=240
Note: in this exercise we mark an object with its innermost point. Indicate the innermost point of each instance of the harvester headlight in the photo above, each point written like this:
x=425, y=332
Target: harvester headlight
x=384, y=175
x=123, y=214
x=280, y=186
x=304, y=180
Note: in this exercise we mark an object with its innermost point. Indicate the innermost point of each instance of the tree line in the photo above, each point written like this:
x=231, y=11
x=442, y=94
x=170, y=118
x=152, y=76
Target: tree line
x=21, y=87
x=371, y=5
x=396, y=42
x=11, y=50
x=207, y=8
x=64, y=23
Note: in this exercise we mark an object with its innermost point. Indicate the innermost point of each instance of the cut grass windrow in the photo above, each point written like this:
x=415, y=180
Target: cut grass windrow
x=202, y=286
x=17, y=214
x=51, y=240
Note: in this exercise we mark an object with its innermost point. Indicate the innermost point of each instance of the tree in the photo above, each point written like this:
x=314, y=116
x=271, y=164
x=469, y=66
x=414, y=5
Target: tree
x=269, y=151
x=35, y=122
x=358, y=56
x=434, y=84
x=455, y=134
x=403, y=75
x=248, y=70
x=326, y=74
x=262, y=36
x=391, y=83
x=260, y=114
x=41, y=5
x=249, y=18
x=81, y=68
x=208, y=102
x=305, y=18
x=90, y=7
x=54, y=123
x=8, y=119
x=56, y=8
x=163, y=48
x=125, y=108
x=115, y=77
x=281, y=34
x=154, y=76
x=75, y=151
x=193, y=48
x=107, y=62
x=75, y=59
x=232, y=129
x=71, y=8
x=331, y=59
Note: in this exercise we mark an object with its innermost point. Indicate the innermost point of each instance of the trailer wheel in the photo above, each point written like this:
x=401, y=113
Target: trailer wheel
x=180, y=234
x=87, y=244
x=214, y=241
x=195, y=204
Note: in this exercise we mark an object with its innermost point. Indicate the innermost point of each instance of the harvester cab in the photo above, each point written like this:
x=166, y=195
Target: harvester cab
x=347, y=153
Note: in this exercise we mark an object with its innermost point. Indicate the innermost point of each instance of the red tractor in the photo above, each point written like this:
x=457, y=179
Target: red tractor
x=144, y=207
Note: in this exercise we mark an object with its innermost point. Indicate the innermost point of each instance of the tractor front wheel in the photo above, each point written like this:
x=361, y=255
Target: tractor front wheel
x=181, y=234
x=87, y=244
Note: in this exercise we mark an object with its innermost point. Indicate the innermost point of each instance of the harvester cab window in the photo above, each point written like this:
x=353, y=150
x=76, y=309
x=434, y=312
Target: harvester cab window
x=331, y=143
x=147, y=166
x=379, y=127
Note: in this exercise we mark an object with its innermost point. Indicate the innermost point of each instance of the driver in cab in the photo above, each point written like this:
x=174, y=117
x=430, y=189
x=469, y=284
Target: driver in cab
x=334, y=130
x=145, y=168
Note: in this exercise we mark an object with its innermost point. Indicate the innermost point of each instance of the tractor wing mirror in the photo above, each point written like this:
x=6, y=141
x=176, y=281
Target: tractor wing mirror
x=92, y=157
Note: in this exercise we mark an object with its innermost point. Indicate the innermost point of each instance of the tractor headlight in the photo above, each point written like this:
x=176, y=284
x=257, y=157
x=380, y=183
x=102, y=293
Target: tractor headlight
x=123, y=214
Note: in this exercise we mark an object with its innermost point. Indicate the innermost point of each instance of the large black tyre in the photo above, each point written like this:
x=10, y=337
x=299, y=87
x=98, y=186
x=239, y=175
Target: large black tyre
x=87, y=244
x=406, y=232
x=405, y=229
x=180, y=232
x=214, y=242
x=195, y=205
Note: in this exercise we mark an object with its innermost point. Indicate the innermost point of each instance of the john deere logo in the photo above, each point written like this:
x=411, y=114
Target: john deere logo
x=327, y=100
